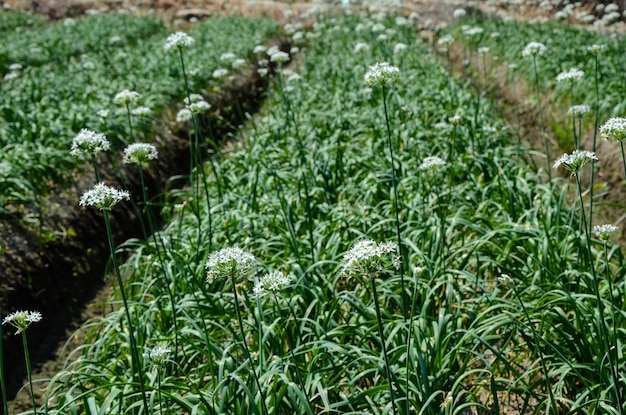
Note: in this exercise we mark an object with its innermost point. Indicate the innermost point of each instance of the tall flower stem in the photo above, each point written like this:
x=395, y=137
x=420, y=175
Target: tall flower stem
x=130, y=123
x=621, y=143
x=245, y=347
x=541, y=120
x=395, y=200
x=137, y=371
x=29, y=372
x=158, y=243
x=595, y=136
x=383, y=344
x=603, y=332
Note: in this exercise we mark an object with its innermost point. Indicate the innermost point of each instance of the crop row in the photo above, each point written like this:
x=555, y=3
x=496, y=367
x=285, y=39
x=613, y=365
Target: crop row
x=369, y=246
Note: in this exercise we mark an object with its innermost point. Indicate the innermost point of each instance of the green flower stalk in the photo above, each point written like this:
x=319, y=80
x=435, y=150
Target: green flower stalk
x=232, y=263
x=574, y=162
x=577, y=113
x=383, y=75
x=595, y=51
x=21, y=320
x=570, y=77
x=368, y=259
x=615, y=129
x=105, y=198
x=534, y=49
x=158, y=357
x=125, y=99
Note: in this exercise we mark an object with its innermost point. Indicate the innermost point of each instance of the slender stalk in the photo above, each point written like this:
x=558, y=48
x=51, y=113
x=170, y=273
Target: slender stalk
x=621, y=143
x=604, y=335
x=29, y=372
x=595, y=135
x=245, y=347
x=395, y=201
x=94, y=163
x=158, y=243
x=130, y=123
x=541, y=120
x=383, y=343
x=159, y=390
x=137, y=371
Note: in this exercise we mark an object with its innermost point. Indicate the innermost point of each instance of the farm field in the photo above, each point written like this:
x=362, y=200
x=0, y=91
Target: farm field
x=376, y=239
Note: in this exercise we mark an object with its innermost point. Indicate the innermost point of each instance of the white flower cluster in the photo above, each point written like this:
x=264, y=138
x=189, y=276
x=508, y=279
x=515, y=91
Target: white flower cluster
x=605, y=232
x=22, y=319
x=228, y=262
x=595, y=48
x=534, y=49
x=89, y=142
x=381, y=74
x=142, y=112
x=368, y=257
x=575, y=161
x=571, y=75
x=431, y=163
x=126, y=97
x=157, y=356
x=272, y=282
x=103, y=197
x=445, y=40
x=178, y=40
x=196, y=105
x=138, y=153
x=579, y=110
x=614, y=129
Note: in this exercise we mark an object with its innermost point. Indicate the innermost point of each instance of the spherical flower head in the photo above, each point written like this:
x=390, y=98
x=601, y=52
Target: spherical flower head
x=239, y=63
x=614, y=129
x=279, y=57
x=21, y=320
x=228, y=262
x=361, y=46
x=483, y=50
x=228, y=57
x=89, y=142
x=445, y=40
x=432, y=163
x=506, y=281
x=141, y=112
x=126, y=98
x=157, y=356
x=605, y=232
x=595, y=49
x=579, y=110
x=103, y=197
x=575, y=161
x=272, y=283
x=459, y=13
x=193, y=98
x=199, y=107
x=381, y=74
x=220, y=73
x=184, y=115
x=367, y=258
x=534, y=49
x=139, y=153
x=399, y=48
x=259, y=49
x=178, y=40
x=571, y=75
